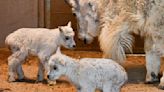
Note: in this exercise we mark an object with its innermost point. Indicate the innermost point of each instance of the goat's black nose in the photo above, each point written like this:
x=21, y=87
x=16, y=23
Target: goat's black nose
x=74, y=46
x=48, y=76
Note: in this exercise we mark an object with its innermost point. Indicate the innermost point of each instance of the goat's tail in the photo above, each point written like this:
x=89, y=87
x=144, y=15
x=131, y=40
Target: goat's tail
x=11, y=42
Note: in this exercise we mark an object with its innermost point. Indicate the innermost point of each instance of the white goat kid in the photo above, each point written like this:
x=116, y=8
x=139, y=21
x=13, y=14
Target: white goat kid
x=88, y=74
x=117, y=21
x=41, y=42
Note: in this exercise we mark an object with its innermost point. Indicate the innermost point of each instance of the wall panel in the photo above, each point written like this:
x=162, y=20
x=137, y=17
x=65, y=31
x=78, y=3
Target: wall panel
x=16, y=14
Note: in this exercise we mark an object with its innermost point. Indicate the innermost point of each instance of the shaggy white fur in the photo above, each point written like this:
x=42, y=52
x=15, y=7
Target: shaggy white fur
x=36, y=41
x=118, y=20
x=88, y=74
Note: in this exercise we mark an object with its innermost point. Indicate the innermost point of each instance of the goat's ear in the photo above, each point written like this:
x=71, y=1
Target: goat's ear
x=58, y=51
x=73, y=3
x=69, y=24
x=60, y=29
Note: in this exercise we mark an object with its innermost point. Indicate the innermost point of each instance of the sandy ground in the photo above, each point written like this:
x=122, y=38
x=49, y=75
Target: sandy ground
x=135, y=66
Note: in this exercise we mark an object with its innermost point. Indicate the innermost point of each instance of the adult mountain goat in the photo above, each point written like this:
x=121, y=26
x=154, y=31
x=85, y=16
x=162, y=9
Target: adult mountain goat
x=41, y=42
x=115, y=22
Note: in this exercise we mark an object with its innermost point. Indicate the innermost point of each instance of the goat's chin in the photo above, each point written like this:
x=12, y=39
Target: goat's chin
x=69, y=47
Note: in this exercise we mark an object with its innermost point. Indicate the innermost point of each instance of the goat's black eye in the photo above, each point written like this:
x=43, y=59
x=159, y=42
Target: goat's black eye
x=73, y=14
x=55, y=67
x=66, y=38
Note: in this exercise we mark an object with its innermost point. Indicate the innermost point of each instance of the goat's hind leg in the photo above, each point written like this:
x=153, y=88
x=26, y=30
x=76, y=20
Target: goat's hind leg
x=14, y=65
x=20, y=73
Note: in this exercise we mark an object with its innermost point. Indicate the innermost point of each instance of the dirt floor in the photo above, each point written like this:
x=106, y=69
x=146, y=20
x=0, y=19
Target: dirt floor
x=135, y=66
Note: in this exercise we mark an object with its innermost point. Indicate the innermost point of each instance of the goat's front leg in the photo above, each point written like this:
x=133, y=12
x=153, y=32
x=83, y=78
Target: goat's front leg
x=40, y=76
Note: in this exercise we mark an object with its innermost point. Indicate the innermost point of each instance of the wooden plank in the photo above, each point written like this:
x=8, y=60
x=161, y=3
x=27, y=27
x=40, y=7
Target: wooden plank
x=47, y=13
x=41, y=13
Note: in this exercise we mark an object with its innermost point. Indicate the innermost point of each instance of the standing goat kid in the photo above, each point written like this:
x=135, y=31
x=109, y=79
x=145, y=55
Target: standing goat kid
x=88, y=74
x=40, y=42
